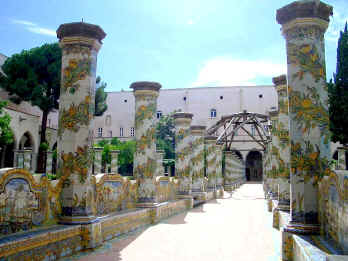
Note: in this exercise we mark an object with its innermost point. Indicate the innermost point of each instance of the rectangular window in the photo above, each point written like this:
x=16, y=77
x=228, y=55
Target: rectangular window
x=132, y=132
x=100, y=132
x=253, y=130
x=110, y=134
x=121, y=132
x=212, y=113
x=159, y=114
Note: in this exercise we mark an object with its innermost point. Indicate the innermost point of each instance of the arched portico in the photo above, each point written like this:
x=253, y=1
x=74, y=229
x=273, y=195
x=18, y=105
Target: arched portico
x=7, y=153
x=27, y=141
x=253, y=166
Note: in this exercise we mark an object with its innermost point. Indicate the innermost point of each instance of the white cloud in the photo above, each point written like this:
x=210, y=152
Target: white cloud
x=34, y=28
x=224, y=71
x=44, y=31
x=23, y=22
x=336, y=25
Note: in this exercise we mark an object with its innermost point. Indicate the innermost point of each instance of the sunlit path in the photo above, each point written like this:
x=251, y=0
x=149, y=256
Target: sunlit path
x=237, y=227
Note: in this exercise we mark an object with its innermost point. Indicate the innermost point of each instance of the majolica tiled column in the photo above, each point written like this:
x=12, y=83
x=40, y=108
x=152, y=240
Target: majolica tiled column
x=98, y=151
x=274, y=151
x=27, y=154
x=80, y=43
x=210, y=148
x=282, y=152
x=114, y=161
x=341, y=158
x=49, y=159
x=182, y=122
x=197, y=159
x=219, y=178
x=145, y=160
x=228, y=178
x=303, y=25
x=160, y=168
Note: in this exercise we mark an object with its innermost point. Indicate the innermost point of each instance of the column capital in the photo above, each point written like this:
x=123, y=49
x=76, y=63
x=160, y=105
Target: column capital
x=279, y=80
x=273, y=114
x=304, y=9
x=304, y=19
x=182, y=118
x=210, y=139
x=198, y=130
x=145, y=86
x=81, y=33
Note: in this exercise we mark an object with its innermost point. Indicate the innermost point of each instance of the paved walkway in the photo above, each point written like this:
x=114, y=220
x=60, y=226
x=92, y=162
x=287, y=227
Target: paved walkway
x=237, y=227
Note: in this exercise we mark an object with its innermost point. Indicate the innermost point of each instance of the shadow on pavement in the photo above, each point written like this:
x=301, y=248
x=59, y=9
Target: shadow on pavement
x=176, y=220
x=110, y=250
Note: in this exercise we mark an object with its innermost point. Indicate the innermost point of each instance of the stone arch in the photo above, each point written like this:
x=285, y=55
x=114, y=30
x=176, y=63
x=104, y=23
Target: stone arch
x=238, y=154
x=27, y=141
x=7, y=153
x=335, y=155
x=254, y=166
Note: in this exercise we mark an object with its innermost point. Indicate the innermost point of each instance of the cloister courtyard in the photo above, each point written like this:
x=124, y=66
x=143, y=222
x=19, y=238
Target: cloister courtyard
x=284, y=200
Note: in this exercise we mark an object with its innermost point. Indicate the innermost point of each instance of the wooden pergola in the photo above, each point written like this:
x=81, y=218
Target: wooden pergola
x=232, y=126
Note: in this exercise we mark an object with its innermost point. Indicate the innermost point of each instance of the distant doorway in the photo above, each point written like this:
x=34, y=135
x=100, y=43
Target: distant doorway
x=253, y=166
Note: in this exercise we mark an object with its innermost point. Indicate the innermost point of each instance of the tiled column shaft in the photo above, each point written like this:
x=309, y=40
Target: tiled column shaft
x=267, y=164
x=145, y=161
x=98, y=160
x=160, y=168
x=274, y=151
x=80, y=43
x=197, y=159
x=341, y=158
x=210, y=148
x=219, y=178
x=114, y=161
x=49, y=159
x=281, y=134
x=228, y=178
x=303, y=25
x=27, y=154
x=182, y=122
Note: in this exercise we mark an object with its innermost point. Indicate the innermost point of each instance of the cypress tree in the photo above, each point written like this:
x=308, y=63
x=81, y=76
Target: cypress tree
x=338, y=93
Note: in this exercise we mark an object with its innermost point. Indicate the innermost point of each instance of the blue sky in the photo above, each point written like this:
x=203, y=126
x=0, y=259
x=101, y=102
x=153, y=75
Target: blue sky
x=179, y=43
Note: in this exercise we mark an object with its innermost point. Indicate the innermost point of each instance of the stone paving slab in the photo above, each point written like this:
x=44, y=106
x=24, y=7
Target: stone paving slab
x=237, y=227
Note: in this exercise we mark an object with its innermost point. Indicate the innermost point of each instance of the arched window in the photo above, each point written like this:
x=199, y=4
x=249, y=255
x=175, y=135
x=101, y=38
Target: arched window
x=108, y=120
x=213, y=113
x=159, y=114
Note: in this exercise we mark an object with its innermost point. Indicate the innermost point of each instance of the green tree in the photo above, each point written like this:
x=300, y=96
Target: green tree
x=6, y=135
x=100, y=97
x=125, y=158
x=338, y=92
x=34, y=76
x=165, y=135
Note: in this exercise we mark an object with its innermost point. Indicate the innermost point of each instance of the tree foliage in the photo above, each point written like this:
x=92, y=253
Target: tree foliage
x=165, y=135
x=34, y=76
x=338, y=92
x=100, y=97
x=125, y=157
x=6, y=135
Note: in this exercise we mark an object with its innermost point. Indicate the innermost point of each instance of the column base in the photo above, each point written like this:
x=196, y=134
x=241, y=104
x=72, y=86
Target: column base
x=302, y=229
x=77, y=220
x=147, y=204
x=199, y=195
